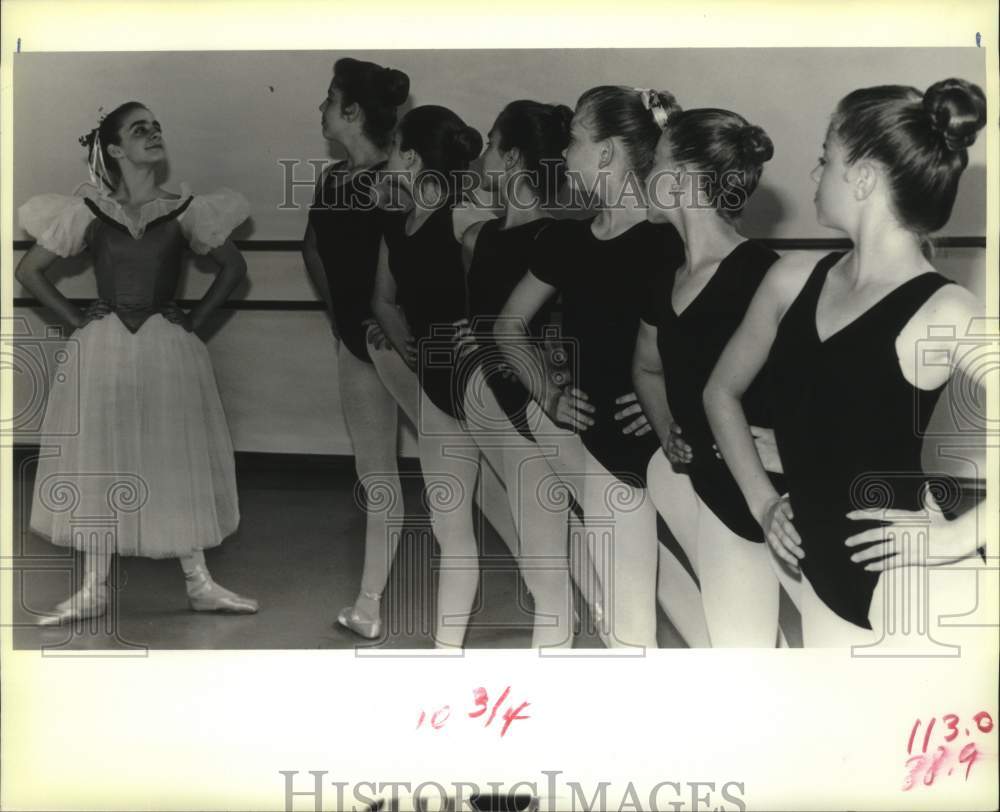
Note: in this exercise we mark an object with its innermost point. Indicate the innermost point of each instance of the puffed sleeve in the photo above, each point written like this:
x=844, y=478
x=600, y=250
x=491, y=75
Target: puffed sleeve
x=57, y=222
x=211, y=218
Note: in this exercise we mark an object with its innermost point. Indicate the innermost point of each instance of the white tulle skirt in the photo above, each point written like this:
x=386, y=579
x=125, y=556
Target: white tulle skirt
x=136, y=452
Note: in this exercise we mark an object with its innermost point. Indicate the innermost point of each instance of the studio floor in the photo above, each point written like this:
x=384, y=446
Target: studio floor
x=299, y=551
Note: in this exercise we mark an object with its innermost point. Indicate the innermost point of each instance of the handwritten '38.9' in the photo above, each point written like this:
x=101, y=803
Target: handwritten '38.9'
x=932, y=765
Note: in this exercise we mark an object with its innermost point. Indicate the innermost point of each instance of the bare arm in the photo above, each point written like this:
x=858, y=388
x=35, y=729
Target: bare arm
x=232, y=270
x=739, y=364
x=387, y=312
x=314, y=266
x=566, y=406
x=926, y=361
x=30, y=272
x=735, y=370
x=650, y=387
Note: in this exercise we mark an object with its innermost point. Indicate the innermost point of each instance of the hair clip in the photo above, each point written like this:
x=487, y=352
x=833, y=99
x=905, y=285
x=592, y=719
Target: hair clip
x=651, y=101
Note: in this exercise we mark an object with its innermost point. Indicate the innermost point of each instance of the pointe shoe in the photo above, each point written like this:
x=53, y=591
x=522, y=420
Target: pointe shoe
x=89, y=601
x=204, y=595
x=350, y=618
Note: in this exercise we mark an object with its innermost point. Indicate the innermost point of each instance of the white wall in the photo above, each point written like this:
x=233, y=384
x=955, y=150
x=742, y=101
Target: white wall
x=230, y=116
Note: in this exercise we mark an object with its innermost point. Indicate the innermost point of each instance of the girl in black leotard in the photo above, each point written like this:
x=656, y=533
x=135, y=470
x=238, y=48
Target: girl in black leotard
x=419, y=298
x=856, y=364
x=708, y=164
x=601, y=266
x=522, y=166
x=341, y=252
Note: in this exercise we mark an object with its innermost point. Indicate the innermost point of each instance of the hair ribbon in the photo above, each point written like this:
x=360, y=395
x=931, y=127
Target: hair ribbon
x=651, y=101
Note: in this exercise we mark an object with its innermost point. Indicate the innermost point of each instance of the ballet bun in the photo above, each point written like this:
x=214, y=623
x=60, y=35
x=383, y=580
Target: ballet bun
x=957, y=111
x=394, y=85
x=563, y=117
x=755, y=144
x=467, y=142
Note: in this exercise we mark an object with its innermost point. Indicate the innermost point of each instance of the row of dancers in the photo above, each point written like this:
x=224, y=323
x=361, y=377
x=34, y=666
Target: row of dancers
x=690, y=371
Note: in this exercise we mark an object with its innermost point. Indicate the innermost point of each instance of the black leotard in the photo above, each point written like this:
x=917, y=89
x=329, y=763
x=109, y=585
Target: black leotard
x=430, y=289
x=690, y=345
x=348, y=228
x=603, y=284
x=849, y=429
x=499, y=261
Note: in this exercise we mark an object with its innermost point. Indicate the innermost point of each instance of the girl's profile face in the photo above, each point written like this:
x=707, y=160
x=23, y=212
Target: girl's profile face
x=582, y=154
x=833, y=199
x=493, y=160
x=664, y=185
x=333, y=120
x=399, y=168
x=141, y=139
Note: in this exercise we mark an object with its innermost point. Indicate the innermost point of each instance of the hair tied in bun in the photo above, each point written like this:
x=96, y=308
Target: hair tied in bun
x=755, y=144
x=957, y=111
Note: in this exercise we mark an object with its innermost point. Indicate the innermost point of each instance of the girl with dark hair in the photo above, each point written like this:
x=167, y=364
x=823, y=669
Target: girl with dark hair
x=144, y=430
x=418, y=303
x=708, y=164
x=855, y=349
x=522, y=167
x=340, y=249
x=601, y=266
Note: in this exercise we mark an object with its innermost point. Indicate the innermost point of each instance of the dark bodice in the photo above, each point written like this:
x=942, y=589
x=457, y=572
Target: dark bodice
x=137, y=275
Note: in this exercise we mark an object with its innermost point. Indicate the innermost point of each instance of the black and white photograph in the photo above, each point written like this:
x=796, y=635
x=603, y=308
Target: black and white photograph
x=608, y=359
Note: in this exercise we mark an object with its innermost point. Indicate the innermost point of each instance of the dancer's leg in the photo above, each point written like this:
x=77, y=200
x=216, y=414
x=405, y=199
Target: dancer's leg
x=564, y=455
x=678, y=595
x=539, y=514
x=402, y=382
x=372, y=419
x=739, y=589
x=205, y=595
x=450, y=469
x=91, y=599
x=542, y=522
x=621, y=527
x=824, y=628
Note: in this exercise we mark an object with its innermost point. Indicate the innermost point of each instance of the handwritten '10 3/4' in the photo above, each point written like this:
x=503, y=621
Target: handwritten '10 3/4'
x=440, y=717
x=933, y=764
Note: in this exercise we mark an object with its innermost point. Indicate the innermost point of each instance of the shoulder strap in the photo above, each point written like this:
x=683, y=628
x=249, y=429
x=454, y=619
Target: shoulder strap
x=900, y=305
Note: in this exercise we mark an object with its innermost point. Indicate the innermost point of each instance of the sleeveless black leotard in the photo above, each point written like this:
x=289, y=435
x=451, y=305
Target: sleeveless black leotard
x=499, y=261
x=347, y=226
x=849, y=429
x=690, y=345
x=430, y=289
x=603, y=284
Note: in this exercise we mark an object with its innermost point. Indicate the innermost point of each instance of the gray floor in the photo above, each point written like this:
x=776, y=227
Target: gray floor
x=299, y=552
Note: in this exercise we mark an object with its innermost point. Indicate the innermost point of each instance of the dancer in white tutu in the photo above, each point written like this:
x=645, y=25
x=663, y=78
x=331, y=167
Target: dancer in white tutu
x=145, y=397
